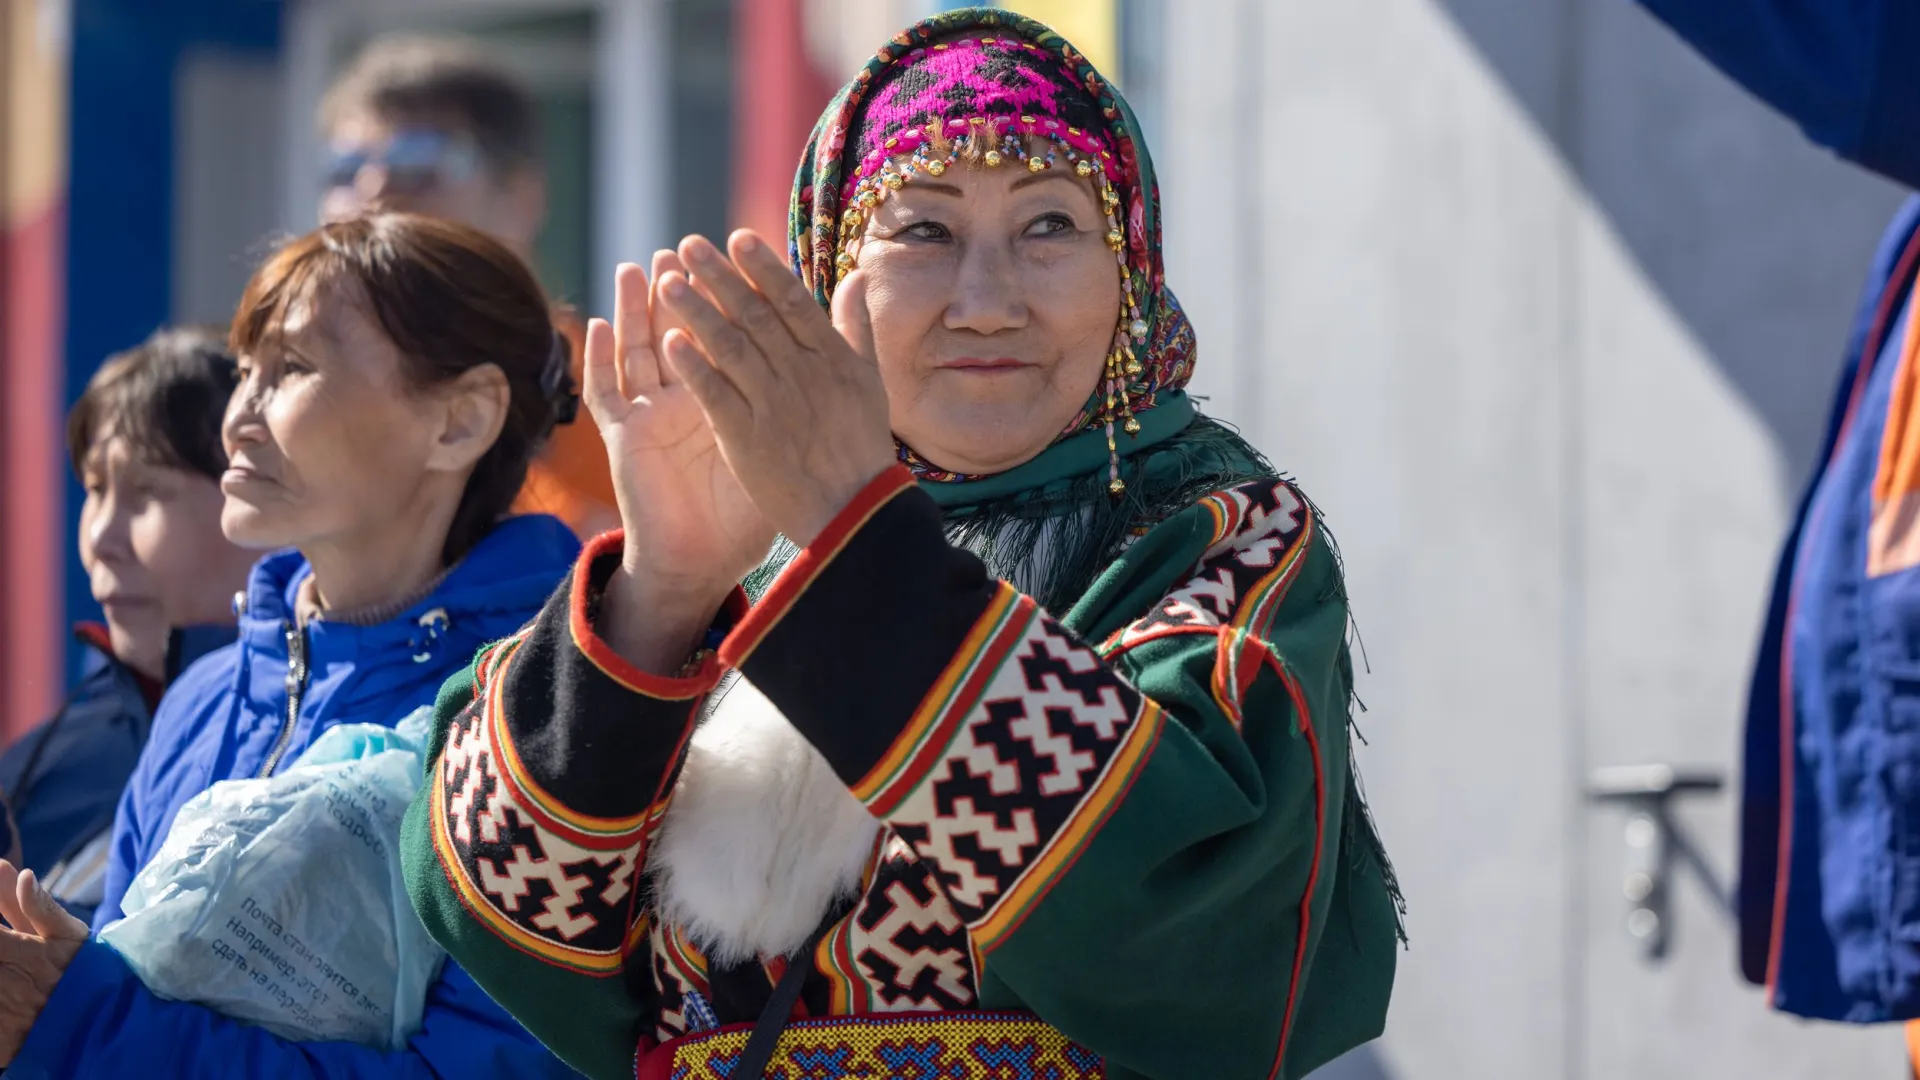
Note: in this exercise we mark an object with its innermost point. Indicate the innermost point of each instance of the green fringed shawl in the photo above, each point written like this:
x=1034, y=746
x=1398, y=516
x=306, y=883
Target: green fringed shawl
x=1061, y=498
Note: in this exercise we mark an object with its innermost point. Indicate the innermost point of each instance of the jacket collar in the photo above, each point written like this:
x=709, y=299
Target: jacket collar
x=506, y=576
x=184, y=645
x=188, y=644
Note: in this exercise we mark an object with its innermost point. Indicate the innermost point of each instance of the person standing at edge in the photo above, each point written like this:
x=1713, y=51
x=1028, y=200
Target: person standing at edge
x=1829, y=893
x=433, y=126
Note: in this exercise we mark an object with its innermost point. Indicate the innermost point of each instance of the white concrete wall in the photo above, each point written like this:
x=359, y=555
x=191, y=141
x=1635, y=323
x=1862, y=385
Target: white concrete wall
x=1545, y=315
x=227, y=111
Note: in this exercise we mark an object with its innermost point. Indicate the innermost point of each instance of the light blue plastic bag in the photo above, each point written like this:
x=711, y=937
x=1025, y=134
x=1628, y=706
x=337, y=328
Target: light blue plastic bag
x=280, y=902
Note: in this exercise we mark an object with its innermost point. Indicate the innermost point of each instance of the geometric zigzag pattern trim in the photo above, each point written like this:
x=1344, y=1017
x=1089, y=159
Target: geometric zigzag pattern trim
x=1029, y=739
x=544, y=885
x=1260, y=530
x=902, y=949
x=1261, y=534
x=1012, y=763
x=680, y=981
x=1003, y=776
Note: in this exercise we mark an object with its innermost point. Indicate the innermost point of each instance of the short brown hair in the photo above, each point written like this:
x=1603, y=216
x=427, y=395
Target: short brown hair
x=444, y=80
x=166, y=396
x=449, y=298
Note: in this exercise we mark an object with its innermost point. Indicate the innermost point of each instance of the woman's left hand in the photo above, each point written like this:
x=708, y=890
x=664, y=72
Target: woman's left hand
x=794, y=397
x=33, y=955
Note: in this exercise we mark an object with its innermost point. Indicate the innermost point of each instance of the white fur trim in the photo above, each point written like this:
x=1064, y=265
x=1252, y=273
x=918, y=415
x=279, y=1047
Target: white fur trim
x=761, y=837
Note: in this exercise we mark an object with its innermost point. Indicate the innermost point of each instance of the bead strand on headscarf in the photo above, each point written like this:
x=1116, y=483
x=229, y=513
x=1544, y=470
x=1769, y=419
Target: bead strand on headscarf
x=920, y=152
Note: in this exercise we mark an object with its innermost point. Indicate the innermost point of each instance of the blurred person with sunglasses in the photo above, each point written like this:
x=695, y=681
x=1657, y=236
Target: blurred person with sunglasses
x=433, y=126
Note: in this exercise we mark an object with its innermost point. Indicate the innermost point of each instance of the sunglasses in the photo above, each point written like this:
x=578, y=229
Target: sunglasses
x=415, y=161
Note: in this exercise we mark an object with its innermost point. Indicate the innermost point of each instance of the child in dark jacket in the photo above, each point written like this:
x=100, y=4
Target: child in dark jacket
x=145, y=441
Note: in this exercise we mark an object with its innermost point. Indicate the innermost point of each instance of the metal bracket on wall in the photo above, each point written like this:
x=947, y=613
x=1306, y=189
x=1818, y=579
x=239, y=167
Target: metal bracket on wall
x=1656, y=843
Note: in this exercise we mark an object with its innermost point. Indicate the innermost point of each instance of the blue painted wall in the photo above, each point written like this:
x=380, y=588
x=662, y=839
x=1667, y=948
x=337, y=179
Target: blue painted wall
x=120, y=209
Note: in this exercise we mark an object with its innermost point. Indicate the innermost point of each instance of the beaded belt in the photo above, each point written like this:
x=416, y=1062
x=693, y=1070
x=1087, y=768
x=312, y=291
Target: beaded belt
x=895, y=1046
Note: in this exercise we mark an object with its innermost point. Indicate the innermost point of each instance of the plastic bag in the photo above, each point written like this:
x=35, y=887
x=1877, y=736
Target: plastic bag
x=280, y=902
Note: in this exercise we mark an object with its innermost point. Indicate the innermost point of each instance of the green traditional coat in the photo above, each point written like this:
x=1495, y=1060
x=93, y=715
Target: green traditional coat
x=1132, y=822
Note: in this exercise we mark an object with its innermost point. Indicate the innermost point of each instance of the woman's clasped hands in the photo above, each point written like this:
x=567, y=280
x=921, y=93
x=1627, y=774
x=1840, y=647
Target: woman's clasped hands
x=733, y=407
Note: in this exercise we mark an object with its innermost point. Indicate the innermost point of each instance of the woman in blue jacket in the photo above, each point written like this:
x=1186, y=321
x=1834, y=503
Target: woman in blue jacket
x=396, y=375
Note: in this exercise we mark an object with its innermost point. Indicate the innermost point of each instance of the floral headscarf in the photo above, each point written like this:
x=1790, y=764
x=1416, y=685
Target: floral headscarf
x=988, y=72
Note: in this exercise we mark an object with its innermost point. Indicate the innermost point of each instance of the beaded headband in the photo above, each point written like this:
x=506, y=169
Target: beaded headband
x=1008, y=138
x=997, y=90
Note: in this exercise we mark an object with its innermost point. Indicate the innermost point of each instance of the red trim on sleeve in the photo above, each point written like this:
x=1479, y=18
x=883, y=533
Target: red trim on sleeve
x=810, y=562
x=610, y=663
x=1319, y=839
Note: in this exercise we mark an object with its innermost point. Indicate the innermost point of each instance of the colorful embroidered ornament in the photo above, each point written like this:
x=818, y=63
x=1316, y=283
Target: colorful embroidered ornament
x=985, y=99
x=938, y=1046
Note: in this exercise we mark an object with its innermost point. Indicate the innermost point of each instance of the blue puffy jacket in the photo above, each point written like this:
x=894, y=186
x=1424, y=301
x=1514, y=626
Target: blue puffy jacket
x=225, y=718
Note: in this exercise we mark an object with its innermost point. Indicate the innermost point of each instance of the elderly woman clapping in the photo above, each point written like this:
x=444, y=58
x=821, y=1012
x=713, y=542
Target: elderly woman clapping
x=1039, y=754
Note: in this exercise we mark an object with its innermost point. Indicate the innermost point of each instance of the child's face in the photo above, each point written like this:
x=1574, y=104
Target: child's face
x=151, y=544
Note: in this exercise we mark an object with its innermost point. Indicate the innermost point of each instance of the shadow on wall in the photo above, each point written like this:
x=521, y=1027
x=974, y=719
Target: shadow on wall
x=1363, y=1063
x=1757, y=240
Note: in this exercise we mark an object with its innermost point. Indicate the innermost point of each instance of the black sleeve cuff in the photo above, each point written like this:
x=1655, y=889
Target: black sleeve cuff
x=861, y=625
x=589, y=731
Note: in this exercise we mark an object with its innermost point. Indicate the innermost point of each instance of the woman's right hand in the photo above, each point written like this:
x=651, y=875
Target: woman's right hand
x=691, y=532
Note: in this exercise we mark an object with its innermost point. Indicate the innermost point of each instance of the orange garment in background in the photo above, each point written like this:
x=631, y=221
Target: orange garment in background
x=571, y=479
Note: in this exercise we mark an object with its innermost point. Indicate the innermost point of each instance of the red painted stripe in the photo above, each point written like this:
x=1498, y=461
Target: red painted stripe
x=810, y=562
x=32, y=313
x=1319, y=840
